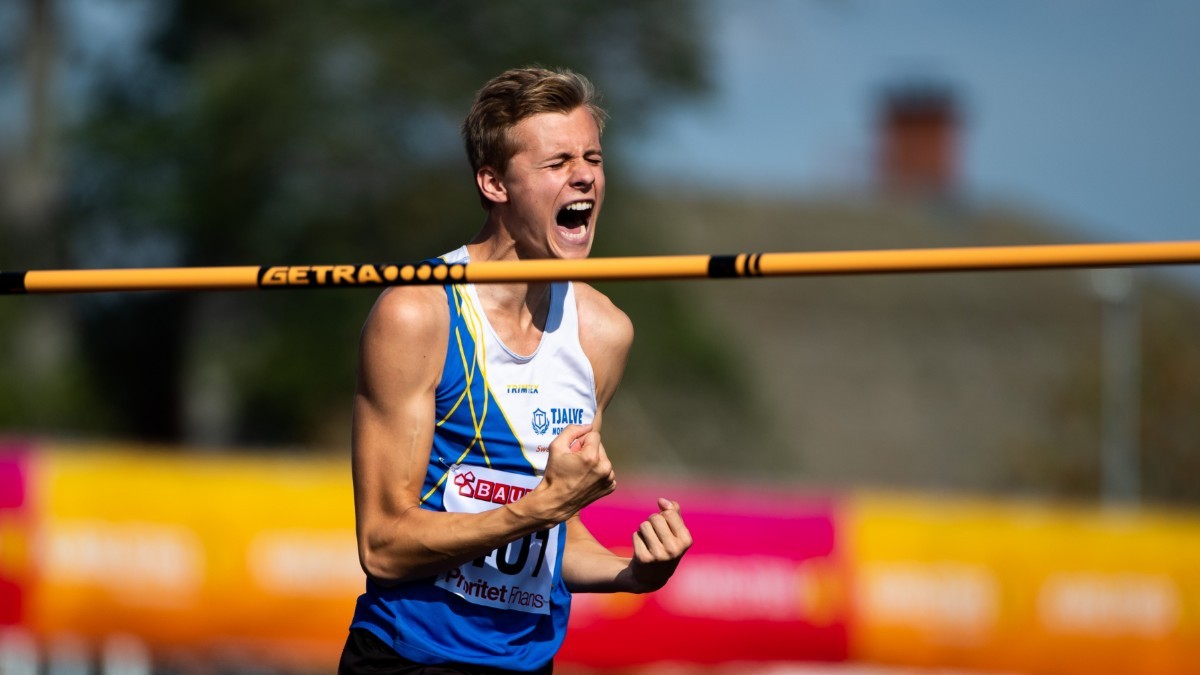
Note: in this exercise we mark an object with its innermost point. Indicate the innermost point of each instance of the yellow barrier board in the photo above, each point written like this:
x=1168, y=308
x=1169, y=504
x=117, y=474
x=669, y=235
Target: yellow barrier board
x=1026, y=588
x=183, y=550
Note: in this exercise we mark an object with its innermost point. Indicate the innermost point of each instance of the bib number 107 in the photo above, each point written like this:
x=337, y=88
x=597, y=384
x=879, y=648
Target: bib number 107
x=512, y=562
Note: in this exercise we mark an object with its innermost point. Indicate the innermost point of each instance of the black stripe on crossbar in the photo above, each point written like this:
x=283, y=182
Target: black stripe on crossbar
x=752, y=268
x=722, y=266
x=12, y=282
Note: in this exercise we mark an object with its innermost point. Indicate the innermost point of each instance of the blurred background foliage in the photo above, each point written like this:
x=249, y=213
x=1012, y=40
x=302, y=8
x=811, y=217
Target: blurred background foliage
x=263, y=132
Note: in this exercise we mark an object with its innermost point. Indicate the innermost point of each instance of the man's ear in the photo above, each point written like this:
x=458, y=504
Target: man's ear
x=491, y=185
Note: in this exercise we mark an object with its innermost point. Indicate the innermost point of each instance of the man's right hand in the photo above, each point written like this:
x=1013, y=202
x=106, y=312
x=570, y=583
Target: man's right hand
x=578, y=473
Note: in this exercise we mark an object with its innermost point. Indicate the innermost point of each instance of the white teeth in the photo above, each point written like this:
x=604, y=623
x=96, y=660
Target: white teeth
x=578, y=206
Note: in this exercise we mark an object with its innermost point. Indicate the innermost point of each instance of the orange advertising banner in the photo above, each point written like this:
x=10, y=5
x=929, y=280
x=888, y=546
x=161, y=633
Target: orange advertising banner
x=233, y=553
x=1024, y=587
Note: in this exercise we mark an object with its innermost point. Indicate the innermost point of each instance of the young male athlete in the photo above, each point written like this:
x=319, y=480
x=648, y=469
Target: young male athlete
x=477, y=417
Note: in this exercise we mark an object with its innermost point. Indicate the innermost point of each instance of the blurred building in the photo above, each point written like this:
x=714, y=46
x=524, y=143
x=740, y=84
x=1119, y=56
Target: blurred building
x=919, y=130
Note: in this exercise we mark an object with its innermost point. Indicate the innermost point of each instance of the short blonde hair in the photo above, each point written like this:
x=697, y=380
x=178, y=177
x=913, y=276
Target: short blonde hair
x=515, y=95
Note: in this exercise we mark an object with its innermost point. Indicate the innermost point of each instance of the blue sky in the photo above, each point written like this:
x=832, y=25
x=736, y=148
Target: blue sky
x=1085, y=110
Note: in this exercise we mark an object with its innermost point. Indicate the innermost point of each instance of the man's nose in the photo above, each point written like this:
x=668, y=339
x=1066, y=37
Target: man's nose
x=584, y=176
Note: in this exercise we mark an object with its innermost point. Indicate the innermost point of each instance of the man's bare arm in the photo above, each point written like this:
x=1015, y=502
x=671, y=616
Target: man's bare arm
x=606, y=335
x=658, y=545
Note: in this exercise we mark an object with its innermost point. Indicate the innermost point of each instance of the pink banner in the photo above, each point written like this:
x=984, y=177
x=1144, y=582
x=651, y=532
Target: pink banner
x=15, y=526
x=764, y=581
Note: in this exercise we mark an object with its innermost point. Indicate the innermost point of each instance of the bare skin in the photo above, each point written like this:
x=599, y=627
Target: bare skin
x=403, y=346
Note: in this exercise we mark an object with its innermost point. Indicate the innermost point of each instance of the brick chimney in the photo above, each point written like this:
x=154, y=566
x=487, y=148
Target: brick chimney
x=918, y=136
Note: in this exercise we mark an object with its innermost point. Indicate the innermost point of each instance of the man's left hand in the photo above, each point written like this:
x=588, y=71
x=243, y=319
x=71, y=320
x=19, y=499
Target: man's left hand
x=658, y=546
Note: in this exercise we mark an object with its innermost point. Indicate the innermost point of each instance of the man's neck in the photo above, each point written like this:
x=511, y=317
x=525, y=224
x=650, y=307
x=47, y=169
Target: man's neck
x=516, y=311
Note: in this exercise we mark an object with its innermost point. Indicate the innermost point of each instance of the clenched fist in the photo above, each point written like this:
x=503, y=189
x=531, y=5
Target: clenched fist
x=658, y=546
x=577, y=472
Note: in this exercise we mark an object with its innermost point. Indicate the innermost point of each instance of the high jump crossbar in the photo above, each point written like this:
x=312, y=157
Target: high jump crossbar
x=818, y=263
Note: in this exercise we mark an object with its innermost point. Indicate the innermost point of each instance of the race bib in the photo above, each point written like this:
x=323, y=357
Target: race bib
x=517, y=576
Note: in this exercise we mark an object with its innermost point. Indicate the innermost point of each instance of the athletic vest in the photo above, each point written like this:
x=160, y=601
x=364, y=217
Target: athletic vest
x=496, y=413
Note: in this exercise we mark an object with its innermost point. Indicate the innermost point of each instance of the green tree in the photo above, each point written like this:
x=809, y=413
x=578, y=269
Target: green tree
x=260, y=131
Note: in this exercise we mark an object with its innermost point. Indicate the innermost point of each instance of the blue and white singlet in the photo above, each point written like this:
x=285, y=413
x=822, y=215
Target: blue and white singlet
x=496, y=413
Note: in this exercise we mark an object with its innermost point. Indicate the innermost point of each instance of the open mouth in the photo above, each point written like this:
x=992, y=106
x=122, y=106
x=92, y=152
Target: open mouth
x=576, y=216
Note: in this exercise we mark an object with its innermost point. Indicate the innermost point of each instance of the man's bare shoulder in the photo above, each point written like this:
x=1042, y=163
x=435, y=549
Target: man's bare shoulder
x=408, y=313
x=601, y=321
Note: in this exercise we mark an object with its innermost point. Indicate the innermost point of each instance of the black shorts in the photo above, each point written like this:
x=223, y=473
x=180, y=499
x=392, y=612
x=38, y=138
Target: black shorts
x=365, y=654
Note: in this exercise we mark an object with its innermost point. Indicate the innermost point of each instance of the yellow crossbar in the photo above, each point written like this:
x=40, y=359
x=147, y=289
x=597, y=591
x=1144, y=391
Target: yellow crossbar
x=605, y=269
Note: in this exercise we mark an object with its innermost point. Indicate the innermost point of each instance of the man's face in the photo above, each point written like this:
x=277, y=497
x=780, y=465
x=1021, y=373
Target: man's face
x=554, y=184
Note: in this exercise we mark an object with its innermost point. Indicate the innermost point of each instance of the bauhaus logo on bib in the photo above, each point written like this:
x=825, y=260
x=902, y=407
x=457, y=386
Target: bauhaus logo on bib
x=496, y=492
